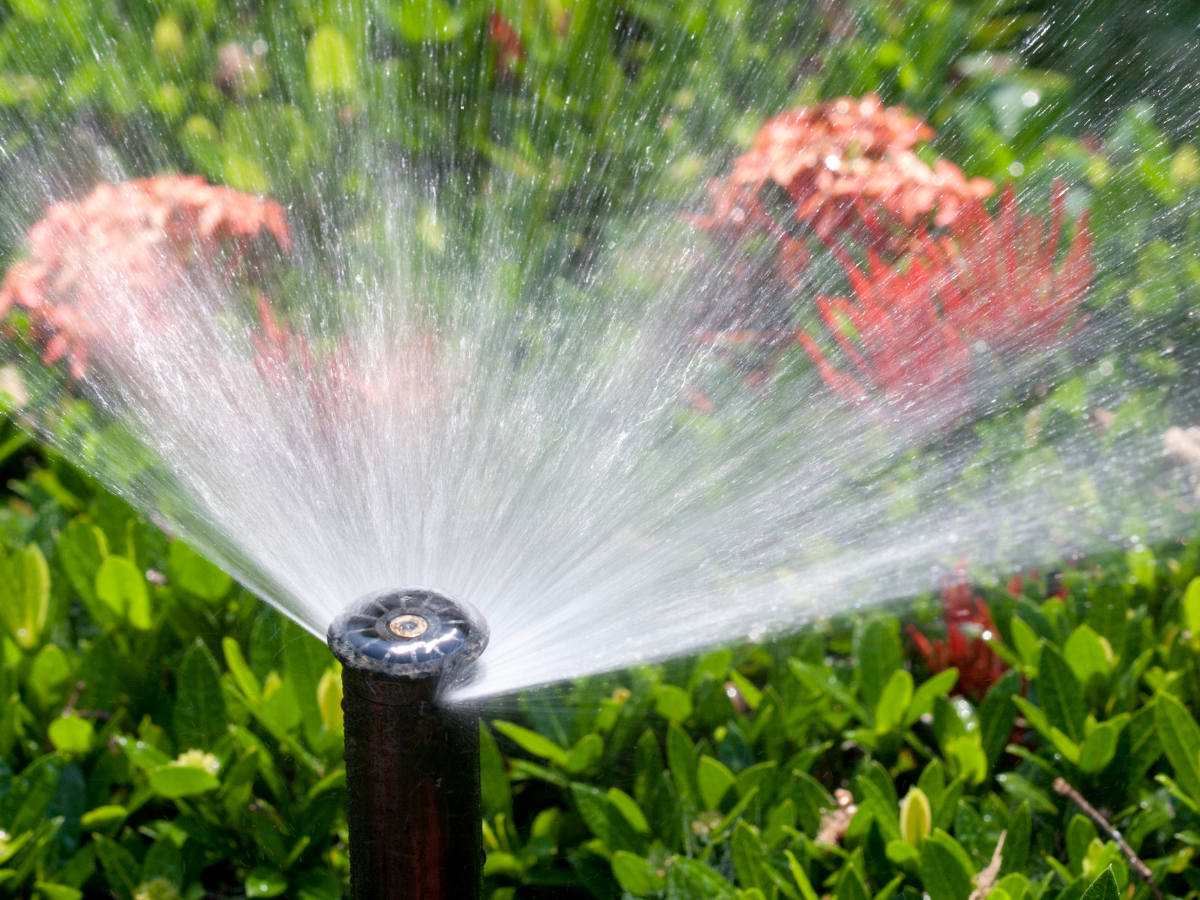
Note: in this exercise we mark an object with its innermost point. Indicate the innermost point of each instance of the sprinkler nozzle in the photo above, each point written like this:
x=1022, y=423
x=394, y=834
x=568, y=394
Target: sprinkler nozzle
x=412, y=763
x=408, y=633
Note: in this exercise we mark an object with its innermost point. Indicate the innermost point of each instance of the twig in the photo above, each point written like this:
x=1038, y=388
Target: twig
x=986, y=879
x=1062, y=788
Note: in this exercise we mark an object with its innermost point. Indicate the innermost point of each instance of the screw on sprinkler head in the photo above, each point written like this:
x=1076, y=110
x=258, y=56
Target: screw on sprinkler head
x=412, y=764
x=410, y=634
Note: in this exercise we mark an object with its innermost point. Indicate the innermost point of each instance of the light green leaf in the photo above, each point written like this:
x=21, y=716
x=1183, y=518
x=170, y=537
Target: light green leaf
x=244, y=678
x=936, y=686
x=893, y=702
x=1191, y=608
x=24, y=594
x=71, y=734
x=193, y=573
x=715, y=780
x=122, y=587
x=332, y=67
x=1028, y=645
x=532, y=742
x=672, y=703
x=1086, y=653
x=172, y=781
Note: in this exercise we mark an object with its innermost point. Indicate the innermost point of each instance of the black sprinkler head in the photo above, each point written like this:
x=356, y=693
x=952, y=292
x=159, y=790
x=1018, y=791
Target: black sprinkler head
x=409, y=633
x=412, y=763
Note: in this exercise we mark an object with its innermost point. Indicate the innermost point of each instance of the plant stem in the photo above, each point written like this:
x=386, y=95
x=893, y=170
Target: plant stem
x=1064, y=789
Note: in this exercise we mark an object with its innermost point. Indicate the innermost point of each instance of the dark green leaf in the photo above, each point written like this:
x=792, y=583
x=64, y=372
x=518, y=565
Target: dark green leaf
x=1180, y=738
x=199, y=713
x=1060, y=695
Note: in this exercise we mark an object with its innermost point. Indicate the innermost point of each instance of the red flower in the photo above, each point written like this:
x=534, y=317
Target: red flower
x=969, y=626
x=129, y=244
x=906, y=352
x=990, y=280
x=510, y=51
x=1001, y=282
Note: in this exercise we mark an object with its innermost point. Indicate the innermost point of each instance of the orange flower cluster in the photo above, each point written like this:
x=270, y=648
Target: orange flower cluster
x=136, y=241
x=990, y=281
x=850, y=168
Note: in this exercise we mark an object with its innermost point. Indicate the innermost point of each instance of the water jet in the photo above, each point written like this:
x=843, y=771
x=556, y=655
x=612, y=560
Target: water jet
x=412, y=762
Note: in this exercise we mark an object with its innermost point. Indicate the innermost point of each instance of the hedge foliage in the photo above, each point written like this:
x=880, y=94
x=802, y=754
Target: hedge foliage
x=163, y=734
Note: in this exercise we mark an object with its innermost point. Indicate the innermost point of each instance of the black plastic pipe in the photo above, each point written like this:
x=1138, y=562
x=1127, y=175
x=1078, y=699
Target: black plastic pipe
x=412, y=764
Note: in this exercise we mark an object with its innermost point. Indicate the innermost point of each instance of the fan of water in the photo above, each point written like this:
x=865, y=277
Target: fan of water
x=552, y=413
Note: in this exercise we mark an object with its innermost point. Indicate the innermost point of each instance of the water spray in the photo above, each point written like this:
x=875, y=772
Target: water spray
x=412, y=763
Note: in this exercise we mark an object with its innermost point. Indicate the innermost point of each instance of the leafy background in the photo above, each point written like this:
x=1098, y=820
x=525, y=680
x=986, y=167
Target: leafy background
x=165, y=735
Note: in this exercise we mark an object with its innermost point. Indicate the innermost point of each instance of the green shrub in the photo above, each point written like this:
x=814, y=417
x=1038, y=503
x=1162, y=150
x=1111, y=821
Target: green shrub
x=163, y=734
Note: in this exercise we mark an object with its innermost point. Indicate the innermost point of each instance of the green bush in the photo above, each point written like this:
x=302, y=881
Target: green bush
x=163, y=734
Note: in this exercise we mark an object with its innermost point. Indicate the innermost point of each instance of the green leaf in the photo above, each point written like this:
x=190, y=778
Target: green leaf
x=997, y=714
x=850, y=886
x=1100, y=746
x=879, y=653
x=938, y=685
x=715, y=780
x=193, y=573
x=894, y=701
x=585, y=754
x=244, y=678
x=173, y=781
x=49, y=672
x=24, y=594
x=1085, y=652
x=1191, y=607
x=532, y=742
x=1059, y=694
x=628, y=807
x=672, y=703
x=1026, y=641
x=82, y=548
x=122, y=587
x=945, y=868
x=332, y=67
x=51, y=891
x=1180, y=738
x=749, y=859
x=71, y=734
x=121, y=870
x=101, y=817
x=1103, y=888
x=497, y=791
x=265, y=882
x=199, y=713
x=1016, y=845
x=681, y=760
x=636, y=875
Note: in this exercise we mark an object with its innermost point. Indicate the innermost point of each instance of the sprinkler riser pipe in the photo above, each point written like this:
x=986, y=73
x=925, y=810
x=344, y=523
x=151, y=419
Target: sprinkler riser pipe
x=413, y=793
x=412, y=763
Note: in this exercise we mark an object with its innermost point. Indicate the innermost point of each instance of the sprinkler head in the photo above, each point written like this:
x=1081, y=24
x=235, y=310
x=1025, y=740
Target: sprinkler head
x=410, y=634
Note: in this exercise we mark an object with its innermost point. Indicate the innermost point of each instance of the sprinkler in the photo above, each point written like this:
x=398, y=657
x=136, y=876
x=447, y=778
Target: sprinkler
x=412, y=765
